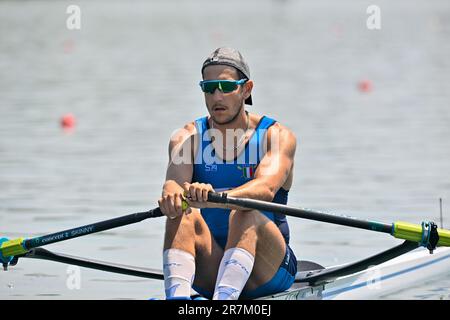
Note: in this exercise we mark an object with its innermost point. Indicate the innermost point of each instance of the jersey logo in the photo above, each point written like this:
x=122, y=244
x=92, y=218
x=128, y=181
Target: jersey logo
x=248, y=172
x=210, y=167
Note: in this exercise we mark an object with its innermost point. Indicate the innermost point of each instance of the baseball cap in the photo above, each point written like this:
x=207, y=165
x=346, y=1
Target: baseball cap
x=230, y=57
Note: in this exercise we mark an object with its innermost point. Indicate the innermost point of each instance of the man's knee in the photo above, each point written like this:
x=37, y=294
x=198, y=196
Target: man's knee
x=247, y=218
x=182, y=226
x=192, y=224
x=182, y=232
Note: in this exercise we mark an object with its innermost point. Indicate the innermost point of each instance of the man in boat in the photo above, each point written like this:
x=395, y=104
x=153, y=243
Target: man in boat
x=227, y=253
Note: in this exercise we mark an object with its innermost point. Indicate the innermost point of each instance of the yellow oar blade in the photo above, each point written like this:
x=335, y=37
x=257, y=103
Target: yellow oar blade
x=12, y=248
x=413, y=232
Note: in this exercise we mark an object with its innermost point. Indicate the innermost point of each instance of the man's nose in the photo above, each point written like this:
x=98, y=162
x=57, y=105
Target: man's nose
x=217, y=95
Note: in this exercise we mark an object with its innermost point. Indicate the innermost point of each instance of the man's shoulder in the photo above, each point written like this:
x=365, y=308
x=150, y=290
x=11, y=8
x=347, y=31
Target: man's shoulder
x=190, y=126
x=181, y=135
x=281, y=133
x=281, y=128
x=276, y=123
x=187, y=129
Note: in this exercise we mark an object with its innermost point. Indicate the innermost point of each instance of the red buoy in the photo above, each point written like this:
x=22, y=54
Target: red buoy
x=68, y=121
x=365, y=86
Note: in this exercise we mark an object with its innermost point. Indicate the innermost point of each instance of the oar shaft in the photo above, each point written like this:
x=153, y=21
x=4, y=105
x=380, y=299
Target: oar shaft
x=301, y=213
x=89, y=229
x=20, y=246
x=400, y=230
x=40, y=253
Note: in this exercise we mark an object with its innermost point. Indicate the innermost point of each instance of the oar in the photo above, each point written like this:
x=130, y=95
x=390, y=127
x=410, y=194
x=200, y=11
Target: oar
x=426, y=234
x=41, y=253
x=20, y=246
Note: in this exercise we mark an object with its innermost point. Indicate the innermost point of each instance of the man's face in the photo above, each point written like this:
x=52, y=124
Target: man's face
x=224, y=107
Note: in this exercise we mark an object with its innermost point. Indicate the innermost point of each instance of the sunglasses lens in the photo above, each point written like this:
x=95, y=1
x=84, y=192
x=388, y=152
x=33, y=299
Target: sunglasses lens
x=210, y=87
x=224, y=86
x=227, y=86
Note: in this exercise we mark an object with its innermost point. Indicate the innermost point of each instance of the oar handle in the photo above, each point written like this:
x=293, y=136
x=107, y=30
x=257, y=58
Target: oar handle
x=217, y=197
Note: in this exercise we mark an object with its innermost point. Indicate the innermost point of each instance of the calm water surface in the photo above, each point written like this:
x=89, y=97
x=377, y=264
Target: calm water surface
x=130, y=77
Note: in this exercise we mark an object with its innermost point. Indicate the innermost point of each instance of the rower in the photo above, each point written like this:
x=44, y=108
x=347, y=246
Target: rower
x=224, y=252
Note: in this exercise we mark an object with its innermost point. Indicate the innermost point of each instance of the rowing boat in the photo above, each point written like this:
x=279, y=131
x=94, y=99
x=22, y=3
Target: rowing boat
x=374, y=282
x=371, y=278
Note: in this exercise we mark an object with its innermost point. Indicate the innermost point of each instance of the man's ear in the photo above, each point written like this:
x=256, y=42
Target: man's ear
x=248, y=86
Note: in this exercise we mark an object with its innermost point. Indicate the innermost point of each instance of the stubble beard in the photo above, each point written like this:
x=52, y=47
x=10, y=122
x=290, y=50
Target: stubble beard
x=230, y=120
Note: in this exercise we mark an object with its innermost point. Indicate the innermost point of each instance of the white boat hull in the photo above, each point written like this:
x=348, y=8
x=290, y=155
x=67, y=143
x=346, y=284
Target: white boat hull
x=375, y=282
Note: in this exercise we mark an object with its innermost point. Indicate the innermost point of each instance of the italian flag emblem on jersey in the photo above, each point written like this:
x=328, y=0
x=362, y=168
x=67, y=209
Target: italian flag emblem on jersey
x=247, y=172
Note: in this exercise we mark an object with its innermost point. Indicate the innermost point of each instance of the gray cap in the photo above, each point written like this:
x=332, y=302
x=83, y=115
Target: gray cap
x=230, y=57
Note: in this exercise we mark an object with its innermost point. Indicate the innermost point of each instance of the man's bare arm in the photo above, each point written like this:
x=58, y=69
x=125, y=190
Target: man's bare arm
x=273, y=169
x=179, y=170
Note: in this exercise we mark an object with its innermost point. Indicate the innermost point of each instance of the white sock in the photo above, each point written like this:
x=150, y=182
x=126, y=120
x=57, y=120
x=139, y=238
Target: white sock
x=234, y=271
x=179, y=272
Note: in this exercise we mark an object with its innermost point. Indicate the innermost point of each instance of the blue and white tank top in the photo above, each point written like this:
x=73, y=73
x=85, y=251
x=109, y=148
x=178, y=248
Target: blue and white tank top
x=224, y=175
